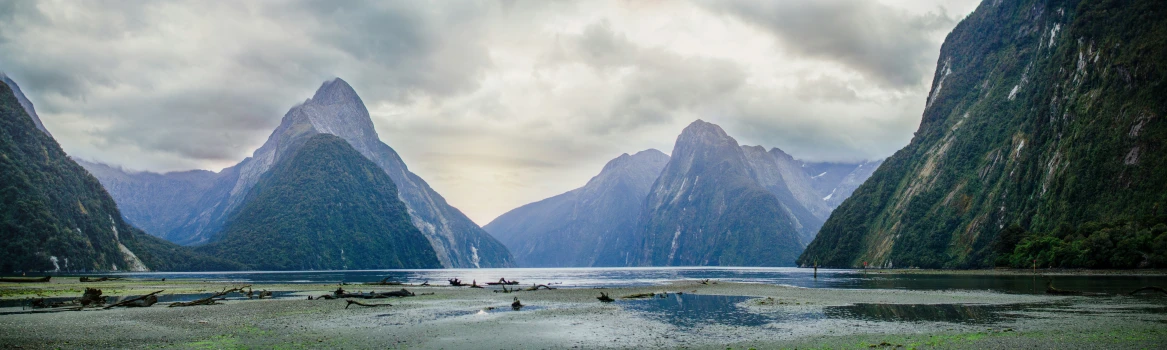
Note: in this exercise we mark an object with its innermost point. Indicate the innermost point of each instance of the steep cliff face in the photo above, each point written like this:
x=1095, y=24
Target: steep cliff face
x=54, y=216
x=324, y=206
x=708, y=208
x=593, y=225
x=334, y=109
x=1042, y=139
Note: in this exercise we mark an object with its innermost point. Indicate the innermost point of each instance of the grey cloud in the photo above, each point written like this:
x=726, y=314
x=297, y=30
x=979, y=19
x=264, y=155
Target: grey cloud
x=659, y=84
x=823, y=88
x=887, y=45
x=206, y=93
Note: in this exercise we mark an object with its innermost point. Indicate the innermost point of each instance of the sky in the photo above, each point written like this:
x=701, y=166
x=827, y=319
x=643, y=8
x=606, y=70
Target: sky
x=495, y=103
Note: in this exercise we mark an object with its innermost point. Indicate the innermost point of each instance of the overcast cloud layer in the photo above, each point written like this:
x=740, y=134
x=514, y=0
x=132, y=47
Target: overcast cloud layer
x=495, y=103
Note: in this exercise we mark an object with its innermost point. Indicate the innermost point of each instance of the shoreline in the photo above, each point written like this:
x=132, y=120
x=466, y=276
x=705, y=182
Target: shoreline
x=453, y=317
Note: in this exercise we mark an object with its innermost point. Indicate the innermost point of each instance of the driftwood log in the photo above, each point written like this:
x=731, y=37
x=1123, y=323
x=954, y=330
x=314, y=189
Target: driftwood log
x=92, y=296
x=455, y=282
x=354, y=302
x=342, y=294
x=211, y=300
x=142, y=301
x=639, y=296
x=503, y=281
x=474, y=284
x=604, y=298
x=537, y=287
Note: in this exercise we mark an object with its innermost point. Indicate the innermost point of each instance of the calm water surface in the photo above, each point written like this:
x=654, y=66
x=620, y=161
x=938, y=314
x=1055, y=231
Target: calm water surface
x=624, y=277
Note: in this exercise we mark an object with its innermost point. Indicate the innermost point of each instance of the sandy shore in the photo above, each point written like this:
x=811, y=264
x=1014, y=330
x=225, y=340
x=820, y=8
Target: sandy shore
x=455, y=318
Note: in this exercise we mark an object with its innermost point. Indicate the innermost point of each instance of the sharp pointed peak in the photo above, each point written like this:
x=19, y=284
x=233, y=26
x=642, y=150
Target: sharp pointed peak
x=334, y=90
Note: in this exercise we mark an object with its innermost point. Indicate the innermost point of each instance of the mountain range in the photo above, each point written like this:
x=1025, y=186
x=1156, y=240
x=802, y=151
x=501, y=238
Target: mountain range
x=714, y=202
x=1041, y=144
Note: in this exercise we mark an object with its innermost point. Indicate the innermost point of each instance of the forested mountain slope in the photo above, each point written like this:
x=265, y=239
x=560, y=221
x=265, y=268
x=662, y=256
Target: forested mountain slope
x=1042, y=139
x=325, y=206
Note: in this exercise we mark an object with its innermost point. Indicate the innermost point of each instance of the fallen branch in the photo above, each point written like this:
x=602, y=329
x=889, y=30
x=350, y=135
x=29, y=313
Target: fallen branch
x=142, y=301
x=535, y=288
x=354, y=302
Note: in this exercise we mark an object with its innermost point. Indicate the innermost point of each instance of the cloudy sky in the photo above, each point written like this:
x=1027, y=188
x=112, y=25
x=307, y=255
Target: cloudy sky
x=495, y=103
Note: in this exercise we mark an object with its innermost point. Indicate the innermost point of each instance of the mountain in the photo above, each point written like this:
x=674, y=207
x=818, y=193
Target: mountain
x=589, y=226
x=324, y=206
x=835, y=182
x=24, y=103
x=55, y=216
x=708, y=208
x=778, y=173
x=1041, y=143
x=800, y=184
x=334, y=109
x=152, y=201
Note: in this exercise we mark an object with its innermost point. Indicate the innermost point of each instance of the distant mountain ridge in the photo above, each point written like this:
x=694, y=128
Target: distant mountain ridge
x=835, y=182
x=607, y=222
x=334, y=109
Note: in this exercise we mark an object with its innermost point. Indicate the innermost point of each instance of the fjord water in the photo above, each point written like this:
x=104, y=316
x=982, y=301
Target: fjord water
x=625, y=277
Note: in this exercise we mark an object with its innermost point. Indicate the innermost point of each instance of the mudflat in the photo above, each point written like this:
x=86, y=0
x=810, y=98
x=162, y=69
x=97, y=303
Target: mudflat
x=684, y=313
